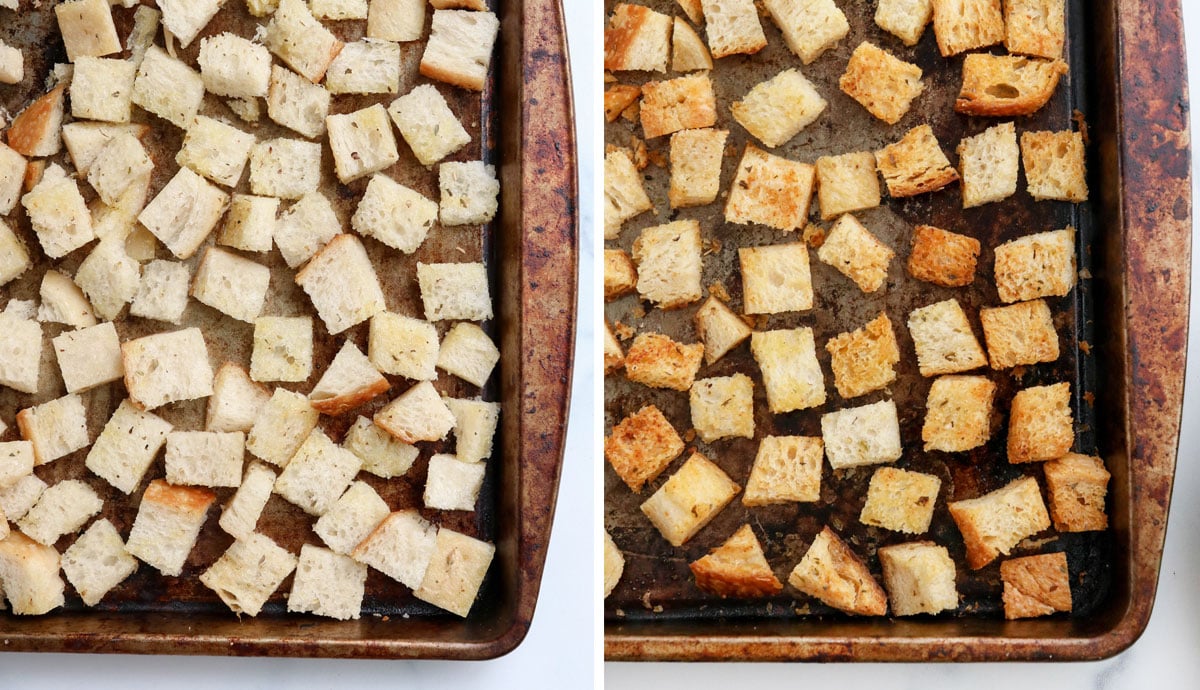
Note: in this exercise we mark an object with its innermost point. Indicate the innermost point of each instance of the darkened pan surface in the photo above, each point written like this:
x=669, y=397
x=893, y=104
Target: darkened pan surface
x=523, y=124
x=1122, y=337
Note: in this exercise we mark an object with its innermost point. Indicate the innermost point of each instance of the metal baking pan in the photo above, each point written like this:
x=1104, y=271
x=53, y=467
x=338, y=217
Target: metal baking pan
x=523, y=124
x=1123, y=333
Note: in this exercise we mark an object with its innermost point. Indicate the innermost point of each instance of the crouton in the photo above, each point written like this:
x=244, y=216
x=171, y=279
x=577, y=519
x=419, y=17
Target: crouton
x=20, y=353
x=285, y=168
x=120, y=165
x=696, y=156
x=856, y=253
x=186, y=18
x=12, y=64
x=881, y=82
x=327, y=584
x=18, y=498
x=1035, y=27
x=403, y=346
x=12, y=175
x=362, y=142
x=669, y=264
x=64, y=302
x=1078, y=485
x=127, y=446
x=97, y=562
x=382, y=455
x=234, y=66
x=475, y=424
x=231, y=284
x=641, y=446
x=469, y=192
x=283, y=349
x=614, y=564
x=351, y=518
x=85, y=140
x=900, y=500
x=455, y=291
x=620, y=275
x=719, y=329
x=317, y=474
x=791, y=374
x=250, y=223
x=400, y=547
x=958, y=413
x=14, y=258
x=61, y=509
x=1021, y=333
x=786, y=469
x=216, y=150
x=349, y=382
x=205, y=458
x=994, y=523
x=809, y=27
x=904, y=19
x=468, y=353
x=55, y=428
x=864, y=360
x=777, y=109
x=368, y=66
x=624, y=195
x=942, y=257
x=162, y=292
x=693, y=10
x=770, y=190
x=832, y=572
x=943, y=339
x=1036, y=585
x=305, y=227
x=988, y=165
x=168, y=522
x=723, y=407
x=919, y=578
x=452, y=484
x=16, y=461
x=614, y=356
x=29, y=571
x=1040, y=425
x=620, y=97
x=428, y=124
x=675, y=104
x=1037, y=265
x=775, y=278
x=240, y=515
x=58, y=214
x=847, y=183
x=915, y=164
x=1054, y=165
x=690, y=499
x=866, y=435
x=342, y=285
x=246, y=575
x=37, y=130
x=459, y=48
x=737, y=568
x=688, y=52
x=657, y=361
x=281, y=426
x=102, y=89
x=236, y=400
x=89, y=357
x=419, y=414
x=456, y=570
x=300, y=41
x=87, y=28
x=167, y=367
x=732, y=27
x=297, y=103
x=396, y=20
x=1007, y=85
x=168, y=88
x=962, y=25
x=109, y=277
x=185, y=212
x=637, y=38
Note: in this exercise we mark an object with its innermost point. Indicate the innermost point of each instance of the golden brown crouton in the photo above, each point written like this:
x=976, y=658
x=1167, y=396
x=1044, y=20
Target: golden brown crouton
x=770, y=190
x=865, y=359
x=1054, y=165
x=669, y=264
x=691, y=498
x=614, y=356
x=37, y=130
x=737, y=569
x=856, y=253
x=1036, y=585
x=809, y=27
x=1037, y=265
x=790, y=370
x=723, y=407
x=1007, y=85
x=1040, y=425
x=617, y=98
x=696, y=156
x=833, y=573
x=1078, y=485
x=641, y=446
x=1035, y=27
x=657, y=361
x=847, y=183
x=786, y=469
x=620, y=276
x=942, y=257
x=919, y=577
x=775, y=278
x=994, y=523
x=915, y=164
x=900, y=500
x=962, y=25
x=1021, y=333
x=732, y=27
x=637, y=38
x=675, y=104
x=943, y=339
x=958, y=413
x=884, y=84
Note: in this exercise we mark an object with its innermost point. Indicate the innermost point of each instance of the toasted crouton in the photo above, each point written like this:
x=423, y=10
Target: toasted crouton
x=240, y=515
x=732, y=27
x=637, y=38
x=55, y=428
x=250, y=223
x=942, y=257
x=396, y=20
x=102, y=89
x=37, y=130
x=89, y=357
x=452, y=484
x=856, y=253
x=362, y=142
x=675, y=104
x=614, y=564
x=16, y=461
x=900, y=500
x=620, y=97
x=962, y=25
x=736, y=568
x=281, y=426
x=30, y=572
x=847, y=183
x=866, y=435
x=881, y=82
x=342, y=285
x=127, y=446
x=168, y=87
x=1078, y=485
x=988, y=165
x=168, y=522
x=690, y=499
x=205, y=458
x=1036, y=585
x=285, y=168
x=624, y=195
x=97, y=562
x=428, y=124
x=469, y=192
x=1037, y=265
x=236, y=400
x=919, y=578
x=419, y=414
x=300, y=41
x=12, y=175
x=455, y=573
x=459, y=48
x=12, y=63
x=994, y=523
x=657, y=361
x=231, y=284
x=369, y=66
x=87, y=28
x=620, y=275
x=382, y=455
x=809, y=27
x=832, y=572
x=958, y=413
x=614, y=356
x=790, y=371
x=234, y=66
x=185, y=212
x=216, y=150
x=786, y=469
x=943, y=339
x=770, y=190
x=777, y=109
x=455, y=291
x=317, y=474
x=641, y=446
x=1007, y=85
x=246, y=575
x=1040, y=425
x=915, y=164
x=20, y=353
x=351, y=518
x=1054, y=165
x=167, y=367
x=723, y=407
x=327, y=584
x=1035, y=27
x=775, y=278
x=297, y=103
x=669, y=264
x=688, y=52
x=349, y=382
x=61, y=509
x=696, y=156
x=283, y=348
x=864, y=360
x=403, y=346
x=1021, y=333
x=58, y=214
x=905, y=19
x=400, y=547
x=719, y=329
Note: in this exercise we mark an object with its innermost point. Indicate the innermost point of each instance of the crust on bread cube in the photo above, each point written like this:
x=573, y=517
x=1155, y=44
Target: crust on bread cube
x=988, y=165
x=452, y=484
x=919, y=577
x=87, y=28
x=394, y=214
x=864, y=435
x=30, y=572
x=205, y=458
x=809, y=27
x=349, y=382
x=231, y=284
x=396, y=20
x=1078, y=485
x=20, y=353
x=1035, y=585
x=305, y=227
x=167, y=367
x=688, y=51
x=1007, y=85
x=281, y=426
x=790, y=371
x=904, y=19
x=723, y=407
x=37, y=130
x=864, y=360
x=459, y=48
x=620, y=275
x=89, y=357
x=962, y=25
x=469, y=192
x=167, y=525
x=943, y=339
x=246, y=575
x=455, y=291
x=127, y=446
x=351, y=518
x=1037, y=265
x=234, y=66
x=327, y=584
x=900, y=500
x=55, y=428
x=64, y=302
x=1035, y=27
x=283, y=348
x=474, y=428
x=468, y=353
x=419, y=414
x=856, y=253
x=847, y=183
x=240, y=515
x=733, y=27
x=669, y=263
x=368, y=66
x=102, y=89
x=285, y=168
x=1054, y=165
x=994, y=523
x=775, y=278
x=942, y=257
x=362, y=142
x=881, y=82
x=958, y=413
x=382, y=455
x=400, y=547
x=427, y=124
x=637, y=38
x=185, y=212
x=1021, y=333
x=689, y=499
x=297, y=103
x=456, y=570
x=236, y=400
x=657, y=361
x=342, y=285
x=168, y=87
x=696, y=156
x=250, y=223
x=641, y=446
x=624, y=195
x=403, y=346
x=614, y=356
x=737, y=568
x=614, y=564
x=61, y=509
x=719, y=329
x=215, y=150
x=1040, y=424
x=163, y=291
x=786, y=469
x=777, y=109
x=16, y=461
x=12, y=177
x=300, y=41
x=831, y=572
x=97, y=562
x=770, y=190
x=58, y=214
x=318, y=473
x=675, y=104
x=915, y=164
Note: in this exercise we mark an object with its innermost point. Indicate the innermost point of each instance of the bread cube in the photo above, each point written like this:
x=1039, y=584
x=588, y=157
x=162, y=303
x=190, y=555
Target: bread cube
x=17, y=499
x=12, y=177
x=900, y=500
x=427, y=124
x=396, y=20
x=186, y=18
x=231, y=284
x=58, y=214
x=469, y=353
x=620, y=275
x=97, y=562
x=770, y=190
x=474, y=428
x=349, y=382
x=1037, y=265
x=281, y=426
x=958, y=413
x=676, y=104
x=942, y=257
x=881, y=82
x=29, y=570
x=688, y=52
x=236, y=400
x=994, y=523
x=381, y=454
x=317, y=474
x=943, y=339
x=89, y=357
x=1040, y=425
x=120, y=165
x=1007, y=85
x=1035, y=27
x=641, y=446
x=737, y=568
x=87, y=28
x=1078, y=485
x=1054, y=165
x=400, y=547
x=456, y=570
x=809, y=27
x=300, y=41
x=1021, y=333
x=167, y=525
x=368, y=66
x=283, y=348
x=127, y=446
x=351, y=518
x=339, y=9
x=167, y=367
x=919, y=577
x=864, y=360
x=459, y=48
x=657, y=361
x=20, y=353
x=240, y=515
x=233, y=66
x=696, y=156
x=362, y=142
x=775, y=278
x=55, y=428
x=85, y=140
x=988, y=165
x=732, y=27
x=305, y=227
x=624, y=195
x=847, y=183
x=669, y=264
x=962, y=25
x=297, y=103
x=394, y=214
x=904, y=19
x=915, y=164
x=102, y=89
x=419, y=414
x=16, y=462
x=777, y=109
x=403, y=346
x=723, y=407
x=168, y=87
x=614, y=564
x=637, y=38
x=614, y=356
x=12, y=63
x=26, y=309
x=865, y=435
x=163, y=291
x=690, y=499
x=719, y=329
x=342, y=285
x=856, y=253
x=37, y=130
x=205, y=458
x=216, y=150
x=250, y=223
x=1036, y=585
x=246, y=575
x=285, y=168
x=791, y=374
x=469, y=193
x=832, y=572
x=786, y=469
x=61, y=509
x=327, y=584
x=63, y=302
x=185, y=212
x=452, y=484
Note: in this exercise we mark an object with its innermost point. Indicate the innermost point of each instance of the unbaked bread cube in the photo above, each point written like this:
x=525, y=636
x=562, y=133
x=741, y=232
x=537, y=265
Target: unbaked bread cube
x=427, y=124
x=723, y=407
x=919, y=577
x=61, y=509
x=12, y=177
x=786, y=469
x=719, y=329
x=452, y=484
x=942, y=257
x=339, y=9
x=624, y=195
x=1054, y=165
x=1037, y=265
x=300, y=41
x=641, y=446
x=620, y=275
x=864, y=360
x=832, y=572
x=1035, y=27
x=342, y=285
x=102, y=89
x=732, y=27
x=283, y=348
x=688, y=52
x=775, y=110
x=305, y=227
x=459, y=48
x=469, y=353
x=20, y=353
x=614, y=356
x=240, y=515
x=847, y=183
x=737, y=568
x=236, y=400
x=63, y=302
x=168, y=87
x=1036, y=585
x=1078, y=485
x=396, y=20
x=1021, y=333
x=809, y=27
x=55, y=428
x=456, y=570
x=988, y=165
x=958, y=413
x=362, y=142
x=419, y=414
x=994, y=523
x=297, y=103
x=881, y=82
x=16, y=462
x=770, y=190
x=127, y=446
x=285, y=168
x=1040, y=424
x=351, y=518
x=317, y=474
x=856, y=253
x=234, y=66
x=12, y=62
x=37, y=130
x=790, y=371
x=250, y=223
x=657, y=361
x=121, y=164
x=915, y=164
x=696, y=156
x=469, y=192
x=900, y=500
x=474, y=428
x=669, y=264
x=17, y=499
x=403, y=346
x=246, y=575
x=186, y=18
x=1007, y=85
x=614, y=564
x=394, y=214
x=866, y=435
x=168, y=522
x=382, y=455
x=368, y=66
x=675, y=104
x=775, y=278
x=167, y=367
x=89, y=357
x=904, y=19
x=327, y=584
x=163, y=291
x=455, y=291
x=109, y=277
x=962, y=25
x=85, y=140
x=58, y=214
x=205, y=458
x=690, y=499
x=87, y=28
x=231, y=284
x=400, y=547
x=281, y=426
x=97, y=562
x=29, y=571
x=185, y=212
x=943, y=339
x=637, y=38
x=215, y=150
x=349, y=382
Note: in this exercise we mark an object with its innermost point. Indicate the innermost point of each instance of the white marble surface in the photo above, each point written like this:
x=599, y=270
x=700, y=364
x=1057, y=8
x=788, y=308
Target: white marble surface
x=1166, y=657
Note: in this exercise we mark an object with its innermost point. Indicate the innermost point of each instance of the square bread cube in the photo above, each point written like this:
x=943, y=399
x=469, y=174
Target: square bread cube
x=637, y=38
x=737, y=568
x=30, y=572
x=847, y=183
x=55, y=428
x=696, y=156
x=881, y=82
x=943, y=339
x=16, y=462
x=58, y=214
x=620, y=275
x=624, y=195
x=1035, y=27
x=733, y=27
x=61, y=509
x=231, y=284
x=394, y=214
x=1040, y=424
x=339, y=9
x=234, y=66
x=988, y=165
x=904, y=19
x=351, y=518
x=475, y=424
x=240, y=515
x=962, y=25
x=12, y=177
x=20, y=353
x=186, y=18
x=455, y=291
x=831, y=572
x=1036, y=585
x=185, y=212
x=87, y=28
x=770, y=190
x=1054, y=165
x=452, y=484
x=657, y=361
x=468, y=353
x=168, y=522
x=368, y=66
x=809, y=27
x=350, y=382
x=790, y=371
x=382, y=455
x=127, y=446
x=305, y=227
x=775, y=278
x=865, y=359
x=1037, y=265
x=777, y=109
x=994, y=523
x=281, y=426
x=362, y=142
x=456, y=570
x=723, y=407
x=958, y=413
x=866, y=435
x=669, y=263
x=400, y=547
x=97, y=562
x=205, y=458
x=396, y=20
x=428, y=124
x=469, y=192
x=102, y=89
x=459, y=48
x=168, y=87
x=283, y=348
x=900, y=500
x=163, y=291
x=403, y=346
x=915, y=164
x=327, y=584
x=120, y=165
x=342, y=285
x=236, y=400
x=419, y=414
x=942, y=257
x=167, y=367
x=719, y=329
x=690, y=499
x=675, y=104
x=89, y=356
x=856, y=253
x=85, y=140
x=109, y=277
x=786, y=469
x=285, y=168
x=215, y=150
x=919, y=577
x=1078, y=485
x=300, y=41
x=641, y=446
x=246, y=575
x=297, y=103
x=250, y=223
x=1021, y=333
x=317, y=474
